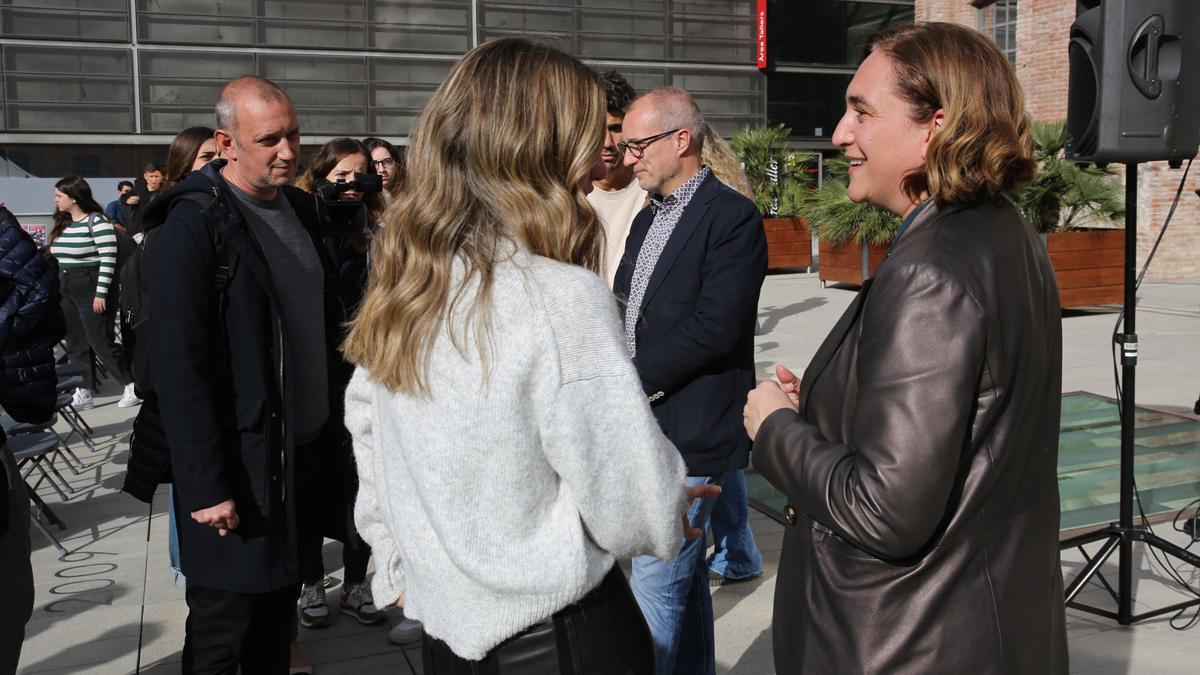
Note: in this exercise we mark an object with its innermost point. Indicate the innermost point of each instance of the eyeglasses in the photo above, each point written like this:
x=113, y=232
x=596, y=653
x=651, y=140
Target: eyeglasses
x=384, y=163
x=637, y=146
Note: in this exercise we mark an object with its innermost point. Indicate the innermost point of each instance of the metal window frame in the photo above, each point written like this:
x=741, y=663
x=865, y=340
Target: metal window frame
x=136, y=45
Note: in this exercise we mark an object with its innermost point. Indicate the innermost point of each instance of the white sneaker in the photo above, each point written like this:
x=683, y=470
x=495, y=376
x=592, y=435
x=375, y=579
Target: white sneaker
x=406, y=631
x=82, y=400
x=130, y=398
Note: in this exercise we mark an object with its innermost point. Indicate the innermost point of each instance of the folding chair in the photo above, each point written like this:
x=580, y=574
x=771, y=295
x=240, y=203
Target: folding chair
x=70, y=415
x=33, y=449
x=36, y=452
x=15, y=428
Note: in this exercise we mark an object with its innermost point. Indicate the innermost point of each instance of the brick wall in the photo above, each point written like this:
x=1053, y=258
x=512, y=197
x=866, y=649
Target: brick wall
x=950, y=11
x=1043, y=27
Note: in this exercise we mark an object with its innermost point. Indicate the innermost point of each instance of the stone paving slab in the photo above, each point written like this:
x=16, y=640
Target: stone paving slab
x=88, y=607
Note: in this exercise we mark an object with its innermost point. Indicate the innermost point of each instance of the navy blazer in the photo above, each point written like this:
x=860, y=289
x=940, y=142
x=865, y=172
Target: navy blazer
x=695, y=329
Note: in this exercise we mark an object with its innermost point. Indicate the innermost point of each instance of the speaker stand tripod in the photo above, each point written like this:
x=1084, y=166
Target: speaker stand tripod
x=1121, y=536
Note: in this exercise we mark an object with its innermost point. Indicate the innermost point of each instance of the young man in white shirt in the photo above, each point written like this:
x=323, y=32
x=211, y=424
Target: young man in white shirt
x=617, y=197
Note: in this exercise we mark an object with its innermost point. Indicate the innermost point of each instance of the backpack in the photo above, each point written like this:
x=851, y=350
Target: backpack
x=149, y=454
x=135, y=292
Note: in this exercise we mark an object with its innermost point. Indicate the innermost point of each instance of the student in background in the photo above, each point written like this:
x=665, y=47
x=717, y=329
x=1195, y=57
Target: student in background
x=113, y=208
x=191, y=149
x=389, y=164
x=84, y=243
x=135, y=201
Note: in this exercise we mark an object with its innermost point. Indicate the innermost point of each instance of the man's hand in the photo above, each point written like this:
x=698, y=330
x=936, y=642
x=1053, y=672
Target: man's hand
x=98, y=305
x=769, y=397
x=223, y=516
x=693, y=493
x=134, y=199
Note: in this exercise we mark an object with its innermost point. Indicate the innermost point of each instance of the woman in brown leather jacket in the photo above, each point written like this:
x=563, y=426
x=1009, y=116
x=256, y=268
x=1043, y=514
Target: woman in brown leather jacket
x=919, y=450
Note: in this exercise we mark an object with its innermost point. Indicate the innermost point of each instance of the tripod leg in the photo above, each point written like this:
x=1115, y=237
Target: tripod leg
x=1167, y=547
x=1092, y=566
x=1100, y=576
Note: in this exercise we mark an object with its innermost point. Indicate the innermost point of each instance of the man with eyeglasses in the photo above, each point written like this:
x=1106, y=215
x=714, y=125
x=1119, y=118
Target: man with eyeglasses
x=617, y=197
x=690, y=277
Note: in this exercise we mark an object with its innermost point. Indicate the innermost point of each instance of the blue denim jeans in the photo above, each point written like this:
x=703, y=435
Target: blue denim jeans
x=735, y=555
x=675, y=600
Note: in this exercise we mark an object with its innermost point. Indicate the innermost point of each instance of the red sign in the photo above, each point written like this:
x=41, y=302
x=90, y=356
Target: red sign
x=761, y=51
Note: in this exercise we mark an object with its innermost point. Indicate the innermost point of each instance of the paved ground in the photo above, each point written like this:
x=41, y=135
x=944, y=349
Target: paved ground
x=109, y=606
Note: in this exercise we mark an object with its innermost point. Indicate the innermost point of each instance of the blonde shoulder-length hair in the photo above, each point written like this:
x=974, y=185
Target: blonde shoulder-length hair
x=985, y=145
x=497, y=154
x=719, y=157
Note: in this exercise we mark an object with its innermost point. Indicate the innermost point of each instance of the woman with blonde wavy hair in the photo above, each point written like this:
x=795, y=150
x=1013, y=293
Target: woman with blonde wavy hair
x=507, y=455
x=719, y=157
x=919, y=455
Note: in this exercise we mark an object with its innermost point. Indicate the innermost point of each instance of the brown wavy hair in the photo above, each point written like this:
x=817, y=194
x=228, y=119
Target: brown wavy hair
x=327, y=157
x=985, y=146
x=372, y=142
x=78, y=189
x=502, y=147
x=182, y=153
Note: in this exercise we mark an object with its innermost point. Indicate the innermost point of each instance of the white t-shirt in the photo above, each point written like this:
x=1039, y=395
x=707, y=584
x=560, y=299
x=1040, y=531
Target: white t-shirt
x=617, y=210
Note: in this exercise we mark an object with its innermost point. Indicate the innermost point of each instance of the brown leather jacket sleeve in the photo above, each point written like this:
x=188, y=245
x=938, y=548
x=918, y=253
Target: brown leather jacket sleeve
x=919, y=364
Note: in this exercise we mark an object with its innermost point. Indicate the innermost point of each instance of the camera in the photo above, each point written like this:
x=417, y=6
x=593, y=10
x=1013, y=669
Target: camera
x=345, y=219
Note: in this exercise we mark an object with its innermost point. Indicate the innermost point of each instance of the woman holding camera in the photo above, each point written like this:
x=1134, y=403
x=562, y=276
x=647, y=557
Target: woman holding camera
x=329, y=505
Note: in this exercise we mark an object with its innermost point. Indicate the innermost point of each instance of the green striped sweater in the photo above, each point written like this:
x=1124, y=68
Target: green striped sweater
x=82, y=246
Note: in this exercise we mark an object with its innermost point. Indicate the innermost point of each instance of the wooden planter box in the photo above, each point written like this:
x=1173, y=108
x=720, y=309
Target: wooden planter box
x=1087, y=265
x=789, y=243
x=849, y=262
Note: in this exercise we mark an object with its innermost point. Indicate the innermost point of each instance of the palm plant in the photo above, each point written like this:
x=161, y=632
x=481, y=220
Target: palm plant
x=777, y=174
x=1064, y=195
x=838, y=219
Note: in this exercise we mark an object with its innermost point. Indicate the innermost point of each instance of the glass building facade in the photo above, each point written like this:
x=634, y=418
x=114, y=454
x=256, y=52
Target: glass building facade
x=98, y=87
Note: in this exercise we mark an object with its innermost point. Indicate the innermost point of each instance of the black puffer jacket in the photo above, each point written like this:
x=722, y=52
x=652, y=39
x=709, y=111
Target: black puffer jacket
x=31, y=323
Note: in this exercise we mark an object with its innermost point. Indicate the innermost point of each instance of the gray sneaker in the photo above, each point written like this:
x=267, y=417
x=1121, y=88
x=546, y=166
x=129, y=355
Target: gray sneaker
x=314, y=612
x=406, y=631
x=358, y=603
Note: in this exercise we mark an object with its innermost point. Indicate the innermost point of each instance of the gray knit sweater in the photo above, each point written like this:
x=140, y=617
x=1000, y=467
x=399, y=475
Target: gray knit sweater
x=495, y=502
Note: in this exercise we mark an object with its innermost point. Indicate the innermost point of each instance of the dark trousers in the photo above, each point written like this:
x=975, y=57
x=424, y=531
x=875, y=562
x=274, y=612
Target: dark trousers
x=327, y=495
x=88, y=330
x=355, y=556
x=226, y=630
x=602, y=634
x=16, y=600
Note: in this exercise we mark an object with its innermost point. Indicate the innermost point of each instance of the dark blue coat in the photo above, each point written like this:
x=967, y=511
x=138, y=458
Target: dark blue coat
x=695, y=331
x=221, y=371
x=31, y=323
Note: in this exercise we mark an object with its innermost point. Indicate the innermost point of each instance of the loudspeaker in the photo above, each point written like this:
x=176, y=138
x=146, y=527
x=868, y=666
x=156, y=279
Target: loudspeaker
x=1134, y=91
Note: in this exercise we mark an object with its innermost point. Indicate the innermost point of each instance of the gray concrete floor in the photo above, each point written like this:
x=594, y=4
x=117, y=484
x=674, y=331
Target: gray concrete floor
x=109, y=605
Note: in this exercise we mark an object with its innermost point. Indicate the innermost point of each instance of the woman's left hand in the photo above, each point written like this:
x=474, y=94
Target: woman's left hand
x=760, y=403
x=98, y=305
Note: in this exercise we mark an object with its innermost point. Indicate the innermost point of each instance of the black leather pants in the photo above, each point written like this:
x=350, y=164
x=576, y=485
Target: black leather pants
x=602, y=634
